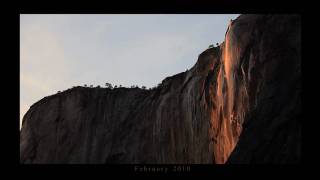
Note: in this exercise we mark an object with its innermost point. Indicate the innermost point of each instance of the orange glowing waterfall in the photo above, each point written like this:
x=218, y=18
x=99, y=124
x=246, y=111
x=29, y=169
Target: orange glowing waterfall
x=225, y=99
x=228, y=67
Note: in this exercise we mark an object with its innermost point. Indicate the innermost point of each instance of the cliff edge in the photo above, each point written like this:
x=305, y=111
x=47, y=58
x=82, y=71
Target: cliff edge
x=240, y=103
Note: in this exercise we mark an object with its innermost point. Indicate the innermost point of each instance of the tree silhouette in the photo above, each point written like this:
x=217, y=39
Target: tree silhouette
x=108, y=85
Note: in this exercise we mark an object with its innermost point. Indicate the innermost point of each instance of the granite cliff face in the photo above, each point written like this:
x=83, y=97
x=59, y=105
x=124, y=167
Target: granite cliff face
x=240, y=103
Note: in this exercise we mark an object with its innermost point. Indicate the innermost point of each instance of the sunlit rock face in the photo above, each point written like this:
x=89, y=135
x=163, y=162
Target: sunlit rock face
x=240, y=103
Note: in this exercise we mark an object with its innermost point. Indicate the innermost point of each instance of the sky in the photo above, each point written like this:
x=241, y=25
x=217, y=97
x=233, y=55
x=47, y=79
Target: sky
x=61, y=51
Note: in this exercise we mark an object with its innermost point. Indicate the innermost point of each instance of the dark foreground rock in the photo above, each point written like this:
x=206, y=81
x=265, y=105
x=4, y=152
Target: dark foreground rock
x=240, y=103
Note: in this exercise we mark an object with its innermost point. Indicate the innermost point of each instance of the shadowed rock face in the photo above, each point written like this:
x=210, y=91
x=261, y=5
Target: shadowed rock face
x=240, y=103
x=271, y=132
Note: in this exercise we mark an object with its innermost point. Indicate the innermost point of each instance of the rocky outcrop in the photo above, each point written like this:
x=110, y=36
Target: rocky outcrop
x=271, y=132
x=240, y=103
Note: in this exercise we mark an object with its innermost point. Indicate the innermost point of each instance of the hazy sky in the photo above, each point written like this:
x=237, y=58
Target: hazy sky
x=61, y=51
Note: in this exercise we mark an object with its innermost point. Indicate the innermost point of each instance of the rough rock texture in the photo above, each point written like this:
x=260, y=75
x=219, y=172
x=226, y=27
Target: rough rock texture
x=240, y=103
x=272, y=127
